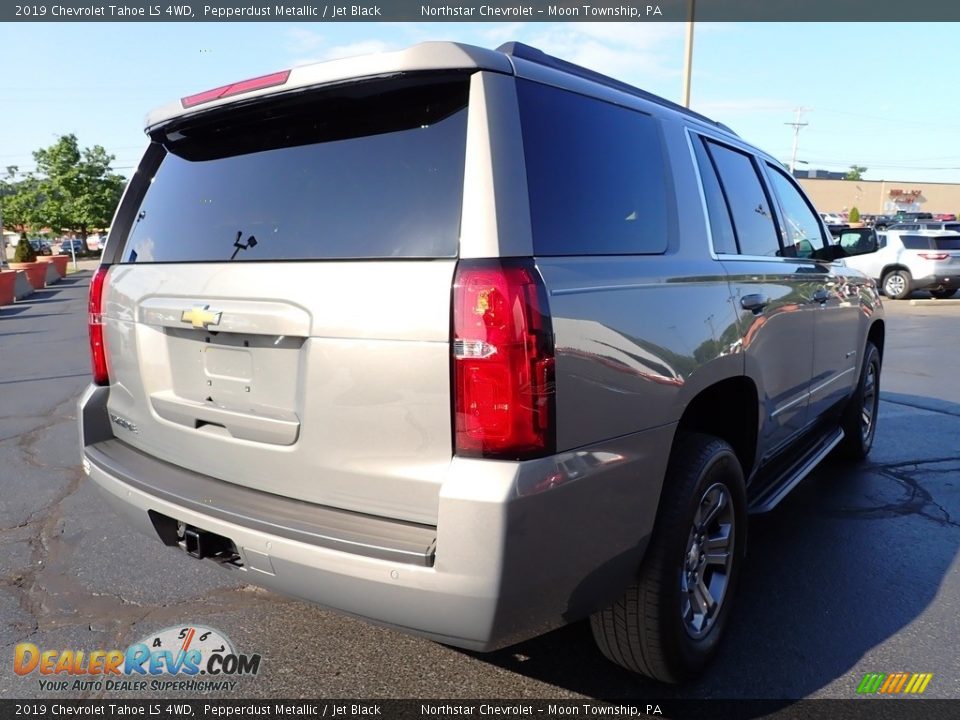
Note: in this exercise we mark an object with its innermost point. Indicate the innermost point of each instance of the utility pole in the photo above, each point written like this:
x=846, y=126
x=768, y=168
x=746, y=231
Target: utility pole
x=688, y=59
x=796, y=135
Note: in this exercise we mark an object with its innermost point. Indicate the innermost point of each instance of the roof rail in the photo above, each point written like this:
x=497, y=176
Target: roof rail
x=532, y=54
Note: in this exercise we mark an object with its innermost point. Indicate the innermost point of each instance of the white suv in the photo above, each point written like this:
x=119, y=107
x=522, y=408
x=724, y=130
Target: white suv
x=909, y=260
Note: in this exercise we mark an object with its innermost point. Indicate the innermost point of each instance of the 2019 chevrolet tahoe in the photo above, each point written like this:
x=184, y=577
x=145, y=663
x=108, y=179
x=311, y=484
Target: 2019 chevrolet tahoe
x=473, y=344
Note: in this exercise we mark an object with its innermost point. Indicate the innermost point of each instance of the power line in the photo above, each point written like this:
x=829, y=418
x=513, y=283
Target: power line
x=796, y=135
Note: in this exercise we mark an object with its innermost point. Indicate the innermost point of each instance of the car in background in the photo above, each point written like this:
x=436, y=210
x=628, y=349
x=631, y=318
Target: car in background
x=905, y=261
x=953, y=226
x=944, y=216
x=902, y=216
x=40, y=247
x=72, y=246
x=879, y=222
x=96, y=242
x=833, y=218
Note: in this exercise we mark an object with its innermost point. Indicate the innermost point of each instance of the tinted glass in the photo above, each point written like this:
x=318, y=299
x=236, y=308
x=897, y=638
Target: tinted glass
x=916, y=242
x=595, y=175
x=751, y=212
x=368, y=171
x=802, y=227
x=946, y=243
x=724, y=239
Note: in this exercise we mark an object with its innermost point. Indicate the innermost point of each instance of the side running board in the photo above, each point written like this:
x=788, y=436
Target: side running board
x=771, y=497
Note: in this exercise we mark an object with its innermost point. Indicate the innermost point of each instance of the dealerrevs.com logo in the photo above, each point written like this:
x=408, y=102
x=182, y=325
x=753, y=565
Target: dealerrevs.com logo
x=192, y=658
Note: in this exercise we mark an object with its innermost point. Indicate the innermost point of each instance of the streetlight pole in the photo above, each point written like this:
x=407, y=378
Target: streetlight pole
x=688, y=59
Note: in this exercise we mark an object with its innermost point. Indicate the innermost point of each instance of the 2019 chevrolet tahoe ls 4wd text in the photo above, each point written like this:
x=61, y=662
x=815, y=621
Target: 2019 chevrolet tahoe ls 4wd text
x=472, y=344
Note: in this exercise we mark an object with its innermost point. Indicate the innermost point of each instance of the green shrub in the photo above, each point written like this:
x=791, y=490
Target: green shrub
x=25, y=252
x=854, y=215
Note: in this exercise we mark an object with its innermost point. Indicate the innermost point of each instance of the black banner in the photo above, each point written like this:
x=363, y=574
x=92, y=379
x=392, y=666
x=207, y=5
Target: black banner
x=854, y=709
x=494, y=11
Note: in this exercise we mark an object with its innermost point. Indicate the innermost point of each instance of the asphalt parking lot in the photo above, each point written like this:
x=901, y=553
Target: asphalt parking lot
x=856, y=572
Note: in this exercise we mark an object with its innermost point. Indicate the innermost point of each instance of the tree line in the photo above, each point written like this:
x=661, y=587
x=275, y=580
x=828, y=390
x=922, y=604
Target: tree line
x=70, y=190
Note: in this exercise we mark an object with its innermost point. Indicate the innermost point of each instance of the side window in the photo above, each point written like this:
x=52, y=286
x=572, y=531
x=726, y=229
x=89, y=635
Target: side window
x=721, y=227
x=881, y=240
x=803, y=231
x=749, y=207
x=595, y=175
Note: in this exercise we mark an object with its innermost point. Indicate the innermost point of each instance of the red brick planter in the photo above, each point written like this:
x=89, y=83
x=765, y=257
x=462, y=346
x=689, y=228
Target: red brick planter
x=58, y=261
x=8, y=279
x=36, y=273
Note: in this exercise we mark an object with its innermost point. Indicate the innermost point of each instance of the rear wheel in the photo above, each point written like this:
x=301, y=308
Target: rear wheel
x=943, y=293
x=670, y=620
x=896, y=284
x=859, y=421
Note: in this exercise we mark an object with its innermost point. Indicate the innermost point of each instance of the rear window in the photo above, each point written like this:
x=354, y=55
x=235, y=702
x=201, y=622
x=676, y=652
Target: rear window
x=927, y=242
x=369, y=170
x=595, y=175
x=946, y=243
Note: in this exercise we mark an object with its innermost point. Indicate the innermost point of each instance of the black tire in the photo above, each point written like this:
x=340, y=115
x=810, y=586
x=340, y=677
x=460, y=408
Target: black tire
x=943, y=293
x=650, y=630
x=862, y=407
x=896, y=284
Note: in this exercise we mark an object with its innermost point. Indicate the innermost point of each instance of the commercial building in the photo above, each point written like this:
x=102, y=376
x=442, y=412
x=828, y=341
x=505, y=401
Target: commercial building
x=882, y=196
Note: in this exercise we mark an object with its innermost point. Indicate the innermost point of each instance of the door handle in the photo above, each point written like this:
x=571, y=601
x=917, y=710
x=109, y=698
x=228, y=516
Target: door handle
x=821, y=296
x=754, y=303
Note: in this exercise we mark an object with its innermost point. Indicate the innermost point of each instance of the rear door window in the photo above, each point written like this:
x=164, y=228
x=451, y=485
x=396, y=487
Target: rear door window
x=596, y=175
x=748, y=202
x=369, y=170
x=721, y=227
x=916, y=242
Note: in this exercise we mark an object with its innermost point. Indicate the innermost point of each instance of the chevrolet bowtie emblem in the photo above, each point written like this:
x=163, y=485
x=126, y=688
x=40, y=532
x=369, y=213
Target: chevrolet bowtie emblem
x=200, y=317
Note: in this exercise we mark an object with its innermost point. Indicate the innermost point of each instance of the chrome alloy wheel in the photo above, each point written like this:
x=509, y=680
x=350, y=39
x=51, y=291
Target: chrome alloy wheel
x=895, y=285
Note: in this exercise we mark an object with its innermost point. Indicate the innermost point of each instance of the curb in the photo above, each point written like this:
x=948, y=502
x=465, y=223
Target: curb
x=934, y=302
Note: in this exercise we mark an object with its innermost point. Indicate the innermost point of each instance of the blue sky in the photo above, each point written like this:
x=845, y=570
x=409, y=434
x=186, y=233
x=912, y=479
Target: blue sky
x=883, y=95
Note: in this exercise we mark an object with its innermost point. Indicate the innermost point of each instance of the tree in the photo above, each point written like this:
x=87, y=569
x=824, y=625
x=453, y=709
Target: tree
x=24, y=252
x=855, y=172
x=854, y=215
x=71, y=189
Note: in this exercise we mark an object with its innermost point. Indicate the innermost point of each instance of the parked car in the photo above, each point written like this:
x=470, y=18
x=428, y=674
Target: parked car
x=944, y=216
x=906, y=261
x=41, y=247
x=879, y=222
x=96, y=241
x=902, y=216
x=72, y=246
x=926, y=225
x=833, y=219
x=538, y=367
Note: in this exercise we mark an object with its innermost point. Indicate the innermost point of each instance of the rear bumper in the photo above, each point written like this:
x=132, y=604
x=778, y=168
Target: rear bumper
x=947, y=279
x=519, y=548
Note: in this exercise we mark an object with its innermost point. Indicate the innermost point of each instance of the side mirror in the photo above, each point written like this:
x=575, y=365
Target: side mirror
x=860, y=242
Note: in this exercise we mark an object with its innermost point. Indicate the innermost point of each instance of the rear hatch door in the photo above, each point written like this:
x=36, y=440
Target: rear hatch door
x=278, y=313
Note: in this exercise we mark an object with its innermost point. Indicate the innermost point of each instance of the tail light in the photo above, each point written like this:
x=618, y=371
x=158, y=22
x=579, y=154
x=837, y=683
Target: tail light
x=98, y=355
x=934, y=256
x=503, y=358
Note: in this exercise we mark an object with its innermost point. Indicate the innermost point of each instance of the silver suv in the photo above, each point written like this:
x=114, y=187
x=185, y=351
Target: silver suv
x=474, y=344
x=908, y=260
